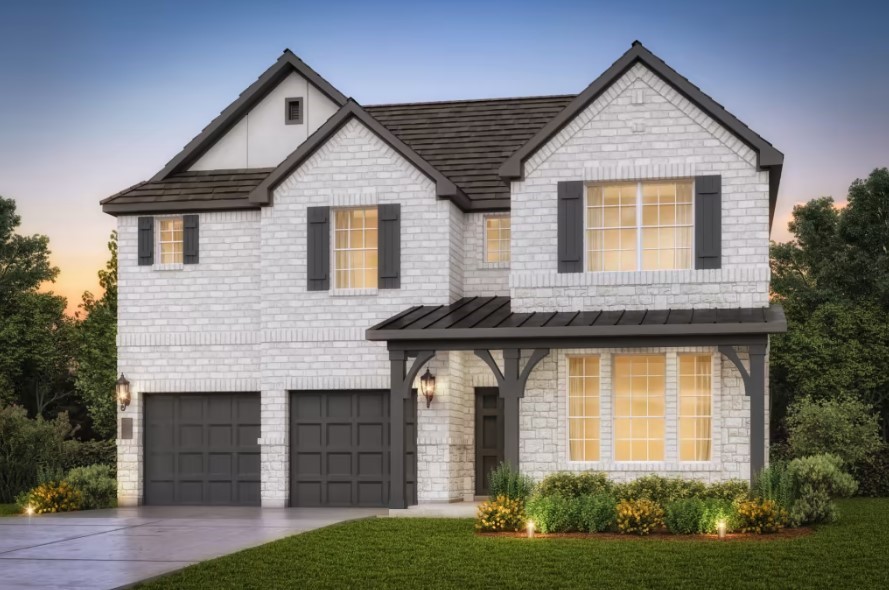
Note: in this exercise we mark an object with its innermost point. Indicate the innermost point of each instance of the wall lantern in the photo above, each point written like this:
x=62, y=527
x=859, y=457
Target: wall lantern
x=427, y=386
x=122, y=388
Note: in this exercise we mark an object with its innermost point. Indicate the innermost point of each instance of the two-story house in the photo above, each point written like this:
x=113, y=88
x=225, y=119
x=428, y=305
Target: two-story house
x=586, y=277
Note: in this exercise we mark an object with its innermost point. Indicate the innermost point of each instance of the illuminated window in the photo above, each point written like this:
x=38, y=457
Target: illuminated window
x=170, y=240
x=355, y=248
x=639, y=384
x=583, y=408
x=639, y=226
x=695, y=407
x=497, y=238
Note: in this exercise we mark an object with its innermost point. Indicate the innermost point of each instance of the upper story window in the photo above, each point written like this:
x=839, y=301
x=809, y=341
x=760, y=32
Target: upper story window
x=355, y=248
x=497, y=235
x=293, y=111
x=170, y=240
x=639, y=226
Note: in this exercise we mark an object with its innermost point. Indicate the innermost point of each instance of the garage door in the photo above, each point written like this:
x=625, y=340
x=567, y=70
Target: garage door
x=202, y=449
x=339, y=453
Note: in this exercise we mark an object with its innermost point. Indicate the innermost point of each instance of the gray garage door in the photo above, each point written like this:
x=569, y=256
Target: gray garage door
x=339, y=452
x=201, y=449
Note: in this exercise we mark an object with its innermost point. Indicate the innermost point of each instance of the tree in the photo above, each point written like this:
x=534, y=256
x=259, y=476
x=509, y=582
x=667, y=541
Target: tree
x=24, y=260
x=97, y=348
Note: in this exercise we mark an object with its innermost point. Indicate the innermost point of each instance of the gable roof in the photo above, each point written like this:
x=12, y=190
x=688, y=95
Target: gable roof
x=468, y=140
x=444, y=187
x=234, y=112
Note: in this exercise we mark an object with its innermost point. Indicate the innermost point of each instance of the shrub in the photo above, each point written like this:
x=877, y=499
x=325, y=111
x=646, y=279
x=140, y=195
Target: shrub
x=25, y=445
x=553, y=514
x=873, y=474
x=595, y=513
x=684, y=517
x=639, y=517
x=716, y=511
x=844, y=427
x=816, y=481
x=661, y=490
x=76, y=453
x=508, y=482
x=500, y=514
x=776, y=484
x=574, y=485
x=731, y=490
x=96, y=485
x=51, y=497
x=760, y=516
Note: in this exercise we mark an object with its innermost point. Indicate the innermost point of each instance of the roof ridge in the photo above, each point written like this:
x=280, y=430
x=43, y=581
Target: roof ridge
x=468, y=100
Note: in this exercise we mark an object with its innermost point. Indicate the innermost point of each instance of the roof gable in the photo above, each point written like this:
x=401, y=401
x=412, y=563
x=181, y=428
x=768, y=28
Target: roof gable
x=287, y=63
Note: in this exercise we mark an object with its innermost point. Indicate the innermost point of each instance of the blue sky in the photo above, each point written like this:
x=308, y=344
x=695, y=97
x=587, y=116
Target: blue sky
x=97, y=96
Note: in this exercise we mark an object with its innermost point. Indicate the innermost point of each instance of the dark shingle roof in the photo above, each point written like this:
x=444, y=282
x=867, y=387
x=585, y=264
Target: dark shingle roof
x=206, y=190
x=468, y=140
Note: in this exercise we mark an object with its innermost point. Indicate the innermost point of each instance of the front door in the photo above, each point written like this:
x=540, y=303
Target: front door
x=488, y=435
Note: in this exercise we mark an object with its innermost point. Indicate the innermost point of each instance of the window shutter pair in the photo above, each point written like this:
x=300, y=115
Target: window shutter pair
x=708, y=224
x=190, y=240
x=388, y=247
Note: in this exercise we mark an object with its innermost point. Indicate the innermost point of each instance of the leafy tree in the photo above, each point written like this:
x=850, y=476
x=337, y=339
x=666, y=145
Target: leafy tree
x=97, y=349
x=24, y=260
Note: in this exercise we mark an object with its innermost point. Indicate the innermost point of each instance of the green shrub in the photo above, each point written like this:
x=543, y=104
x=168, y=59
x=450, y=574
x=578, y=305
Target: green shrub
x=684, y=517
x=817, y=480
x=731, y=490
x=716, y=511
x=51, y=497
x=760, y=516
x=508, y=482
x=844, y=427
x=25, y=446
x=661, y=490
x=76, y=453
x=96, y=485
x=639, y=517
x=595, y=513
x=574, y=485
x=872, y=474
x=553, y=514
x=499, y=515
x=775, y=483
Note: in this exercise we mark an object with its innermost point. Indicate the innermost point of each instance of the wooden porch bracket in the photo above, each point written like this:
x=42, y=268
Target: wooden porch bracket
x=754, y=387
x=402, y=379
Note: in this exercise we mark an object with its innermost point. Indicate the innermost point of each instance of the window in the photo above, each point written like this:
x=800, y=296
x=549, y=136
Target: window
x=583, y=408
x=293, y=111
x=497, y=230
x=695, y=409
x=639, y=384
x=170, y=240
x=639, y=226
x=355, y=248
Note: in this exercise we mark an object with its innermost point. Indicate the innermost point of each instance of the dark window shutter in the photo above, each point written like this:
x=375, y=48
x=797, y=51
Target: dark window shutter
x=191, y=239
x=570, y=219
x=318, y=249
x=708, y=222
x=389, y=245
x=146, y=241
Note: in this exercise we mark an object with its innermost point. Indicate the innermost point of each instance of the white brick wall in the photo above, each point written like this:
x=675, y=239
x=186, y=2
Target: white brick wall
x=604, y=143
x=480, y=277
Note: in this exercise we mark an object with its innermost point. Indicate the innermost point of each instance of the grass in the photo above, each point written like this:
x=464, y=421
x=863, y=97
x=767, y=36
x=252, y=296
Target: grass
x=437, y=553
x=9, y=510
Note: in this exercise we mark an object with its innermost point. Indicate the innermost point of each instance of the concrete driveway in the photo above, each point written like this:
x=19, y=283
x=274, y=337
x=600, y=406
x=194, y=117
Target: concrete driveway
x=104, y=549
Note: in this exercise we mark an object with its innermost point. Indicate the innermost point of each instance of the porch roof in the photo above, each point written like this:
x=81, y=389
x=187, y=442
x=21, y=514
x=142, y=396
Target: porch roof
x=484, y=320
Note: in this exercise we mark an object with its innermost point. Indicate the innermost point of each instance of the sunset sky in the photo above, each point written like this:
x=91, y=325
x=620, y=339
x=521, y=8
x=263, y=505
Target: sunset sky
x=96, y=96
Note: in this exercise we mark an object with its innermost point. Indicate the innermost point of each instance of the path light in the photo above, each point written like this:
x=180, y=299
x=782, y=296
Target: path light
x=720, y=529
x=29, y=510
x=530, y=529
x=427, y=386
x=122, y=388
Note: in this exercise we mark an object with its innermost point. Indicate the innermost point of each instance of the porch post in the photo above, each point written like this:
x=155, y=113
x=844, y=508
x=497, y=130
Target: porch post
x=401, y=380
x=755, y=388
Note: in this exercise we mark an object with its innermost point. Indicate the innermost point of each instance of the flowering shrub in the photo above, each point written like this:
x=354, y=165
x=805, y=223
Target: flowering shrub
x=639, y=517
x=500, y=514
x=51, y=497
x=760, y=516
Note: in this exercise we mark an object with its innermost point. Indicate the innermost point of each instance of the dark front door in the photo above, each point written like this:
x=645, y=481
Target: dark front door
x=488, y=435
x=339, y=453
x=202, y=449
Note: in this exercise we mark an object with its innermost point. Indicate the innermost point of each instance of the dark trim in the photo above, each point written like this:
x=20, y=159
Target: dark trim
x=444, y=188
x=754, y=380
x=708, y=221
x=191, y=240
x=580, y=342
x=767, y=155
x=179, y=206
x=298, y=120
x=233, y=113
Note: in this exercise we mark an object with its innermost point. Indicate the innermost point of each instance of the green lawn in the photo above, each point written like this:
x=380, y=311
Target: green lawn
x=435, y=553
x=8, y=509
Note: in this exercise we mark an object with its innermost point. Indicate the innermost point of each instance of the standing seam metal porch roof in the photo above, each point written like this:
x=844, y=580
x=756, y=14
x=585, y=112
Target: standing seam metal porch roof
x=477, y=318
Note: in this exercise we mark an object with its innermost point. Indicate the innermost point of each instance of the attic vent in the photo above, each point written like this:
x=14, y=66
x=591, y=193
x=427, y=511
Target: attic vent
x=293, y=111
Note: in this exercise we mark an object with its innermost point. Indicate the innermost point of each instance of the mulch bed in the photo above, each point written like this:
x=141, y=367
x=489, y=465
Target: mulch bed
x=662, y=536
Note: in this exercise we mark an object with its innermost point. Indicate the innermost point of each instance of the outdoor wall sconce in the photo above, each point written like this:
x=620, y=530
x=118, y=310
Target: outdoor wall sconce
x=427, y=386
x=122, y=388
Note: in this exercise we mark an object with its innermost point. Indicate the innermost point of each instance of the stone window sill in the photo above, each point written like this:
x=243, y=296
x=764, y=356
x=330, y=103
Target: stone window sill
x=172, y=266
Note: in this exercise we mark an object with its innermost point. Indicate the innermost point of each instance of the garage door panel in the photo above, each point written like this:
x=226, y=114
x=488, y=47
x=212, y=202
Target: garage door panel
x=308, y=406
x=202, y=449
x=339, y=406
x=308, y=436
x=339, y=464
x=339, y=436
x=372, y=436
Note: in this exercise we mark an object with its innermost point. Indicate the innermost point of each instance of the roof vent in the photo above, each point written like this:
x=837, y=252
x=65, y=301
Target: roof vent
x=293, y=111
